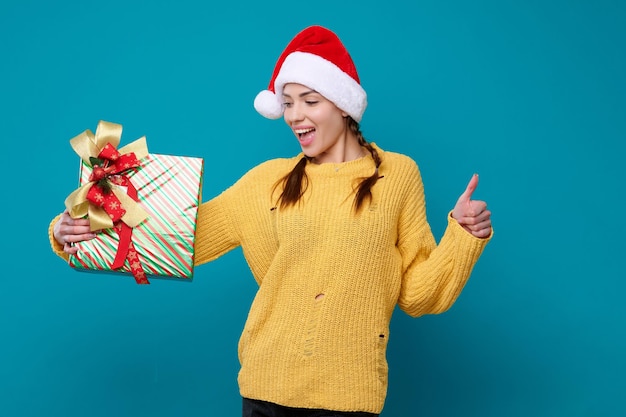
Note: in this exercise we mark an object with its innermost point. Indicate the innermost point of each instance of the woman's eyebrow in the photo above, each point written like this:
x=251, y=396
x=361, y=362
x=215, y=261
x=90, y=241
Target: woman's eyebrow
x=302, y=94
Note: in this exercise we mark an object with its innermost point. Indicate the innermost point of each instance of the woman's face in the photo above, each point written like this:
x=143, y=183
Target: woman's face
x=318, y=124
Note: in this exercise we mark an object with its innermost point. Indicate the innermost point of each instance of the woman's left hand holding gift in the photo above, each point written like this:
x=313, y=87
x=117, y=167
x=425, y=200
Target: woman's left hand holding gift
x=68, y=231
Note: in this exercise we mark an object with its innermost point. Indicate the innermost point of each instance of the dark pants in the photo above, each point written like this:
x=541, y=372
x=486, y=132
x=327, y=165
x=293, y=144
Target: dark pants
x=257, y=408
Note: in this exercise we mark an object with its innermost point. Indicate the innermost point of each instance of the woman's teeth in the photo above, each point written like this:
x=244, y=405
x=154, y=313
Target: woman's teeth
x=301, y=132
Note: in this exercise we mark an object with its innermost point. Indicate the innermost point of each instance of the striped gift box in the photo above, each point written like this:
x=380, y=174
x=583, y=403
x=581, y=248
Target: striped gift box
x=168, y=188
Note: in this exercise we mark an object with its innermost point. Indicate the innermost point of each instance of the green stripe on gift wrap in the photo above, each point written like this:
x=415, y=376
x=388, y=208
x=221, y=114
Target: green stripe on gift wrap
x=157, y=177
x=168, y=188
x=187, y=184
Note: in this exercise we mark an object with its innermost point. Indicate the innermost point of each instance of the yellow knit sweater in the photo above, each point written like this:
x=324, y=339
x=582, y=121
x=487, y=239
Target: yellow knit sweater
x=329, y=279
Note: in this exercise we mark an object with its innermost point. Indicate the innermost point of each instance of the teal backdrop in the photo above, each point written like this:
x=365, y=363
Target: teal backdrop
x=529, y=94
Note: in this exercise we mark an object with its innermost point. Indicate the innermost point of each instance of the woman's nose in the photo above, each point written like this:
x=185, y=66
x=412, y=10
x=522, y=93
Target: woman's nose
x=294, y=113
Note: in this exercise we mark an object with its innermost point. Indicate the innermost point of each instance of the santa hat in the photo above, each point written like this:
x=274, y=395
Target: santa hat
x=317, y=59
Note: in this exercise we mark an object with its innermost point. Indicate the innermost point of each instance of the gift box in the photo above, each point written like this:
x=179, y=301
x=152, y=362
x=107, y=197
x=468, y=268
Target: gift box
x=143, y=205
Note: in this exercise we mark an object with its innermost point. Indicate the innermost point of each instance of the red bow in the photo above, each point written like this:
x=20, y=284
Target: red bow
x=105, y=205
x=111, y=170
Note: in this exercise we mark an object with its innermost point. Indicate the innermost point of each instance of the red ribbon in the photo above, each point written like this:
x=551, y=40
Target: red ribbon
x=113, y=168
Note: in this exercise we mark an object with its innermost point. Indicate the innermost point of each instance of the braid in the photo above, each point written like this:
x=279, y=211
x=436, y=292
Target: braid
x=294, y=184
x=365, y=187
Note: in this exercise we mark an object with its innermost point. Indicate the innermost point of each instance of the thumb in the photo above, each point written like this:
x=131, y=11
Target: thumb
x=471, y=187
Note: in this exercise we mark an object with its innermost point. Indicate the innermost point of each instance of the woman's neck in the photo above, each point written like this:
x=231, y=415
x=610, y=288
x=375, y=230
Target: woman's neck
x=346, y=150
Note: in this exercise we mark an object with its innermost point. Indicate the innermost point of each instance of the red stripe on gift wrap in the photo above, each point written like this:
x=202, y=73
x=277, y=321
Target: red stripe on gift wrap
x=160, y=173
x=156, y=175
x=169, y=189
x=184, y=182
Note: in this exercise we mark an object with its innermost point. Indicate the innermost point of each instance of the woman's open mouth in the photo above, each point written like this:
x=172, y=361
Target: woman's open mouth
x=305, y=136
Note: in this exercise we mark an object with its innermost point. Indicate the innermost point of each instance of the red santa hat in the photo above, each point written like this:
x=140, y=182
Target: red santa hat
x=317, y=59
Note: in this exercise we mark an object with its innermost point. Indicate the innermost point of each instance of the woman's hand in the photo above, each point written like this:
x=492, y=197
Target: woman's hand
x=68, y=231
x=473, y=215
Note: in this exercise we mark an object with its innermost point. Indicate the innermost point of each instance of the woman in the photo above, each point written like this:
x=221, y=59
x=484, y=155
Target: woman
x=335, y=237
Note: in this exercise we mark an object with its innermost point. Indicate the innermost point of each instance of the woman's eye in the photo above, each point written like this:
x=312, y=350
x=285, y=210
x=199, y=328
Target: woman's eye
x=287, y=104
x=312, y=103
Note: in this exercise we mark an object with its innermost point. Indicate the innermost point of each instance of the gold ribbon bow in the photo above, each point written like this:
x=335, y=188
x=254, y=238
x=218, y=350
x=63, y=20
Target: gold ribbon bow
x=87, y=145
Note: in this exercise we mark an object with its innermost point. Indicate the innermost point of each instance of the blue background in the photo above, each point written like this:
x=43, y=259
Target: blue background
x=530, y=94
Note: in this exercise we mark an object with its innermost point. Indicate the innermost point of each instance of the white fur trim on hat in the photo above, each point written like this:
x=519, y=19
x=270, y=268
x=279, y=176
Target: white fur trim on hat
x=320, y=75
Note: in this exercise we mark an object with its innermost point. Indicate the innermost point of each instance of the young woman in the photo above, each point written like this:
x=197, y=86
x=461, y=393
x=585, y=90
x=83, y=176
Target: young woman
x=335, y=237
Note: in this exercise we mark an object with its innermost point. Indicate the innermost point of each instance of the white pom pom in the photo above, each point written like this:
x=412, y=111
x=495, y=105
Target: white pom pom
x=268, y=105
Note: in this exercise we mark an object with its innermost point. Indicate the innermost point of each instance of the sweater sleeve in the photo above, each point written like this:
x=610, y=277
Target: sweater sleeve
x=216, y=233
x=57, y=248
x=433, y=275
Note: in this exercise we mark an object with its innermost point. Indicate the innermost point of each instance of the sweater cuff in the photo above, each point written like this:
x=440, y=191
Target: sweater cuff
x=468, y=246
x=57, y=248
x=452, y=220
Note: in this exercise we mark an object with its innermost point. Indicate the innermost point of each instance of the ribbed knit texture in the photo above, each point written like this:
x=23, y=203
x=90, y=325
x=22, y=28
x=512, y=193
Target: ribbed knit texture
x=329, y=279
x=301, y=350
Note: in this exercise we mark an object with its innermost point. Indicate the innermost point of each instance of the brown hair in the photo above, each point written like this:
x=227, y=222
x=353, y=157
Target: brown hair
x=295, y=183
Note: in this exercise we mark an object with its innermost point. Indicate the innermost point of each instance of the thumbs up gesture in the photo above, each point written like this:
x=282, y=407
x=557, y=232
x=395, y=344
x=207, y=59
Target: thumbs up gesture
x=472, y=215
